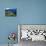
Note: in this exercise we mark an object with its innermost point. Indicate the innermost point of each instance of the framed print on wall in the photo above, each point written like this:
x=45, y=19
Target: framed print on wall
x=10, y=12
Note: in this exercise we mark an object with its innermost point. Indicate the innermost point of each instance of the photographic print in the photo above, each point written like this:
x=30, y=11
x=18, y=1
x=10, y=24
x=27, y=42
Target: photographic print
x=10, y=12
